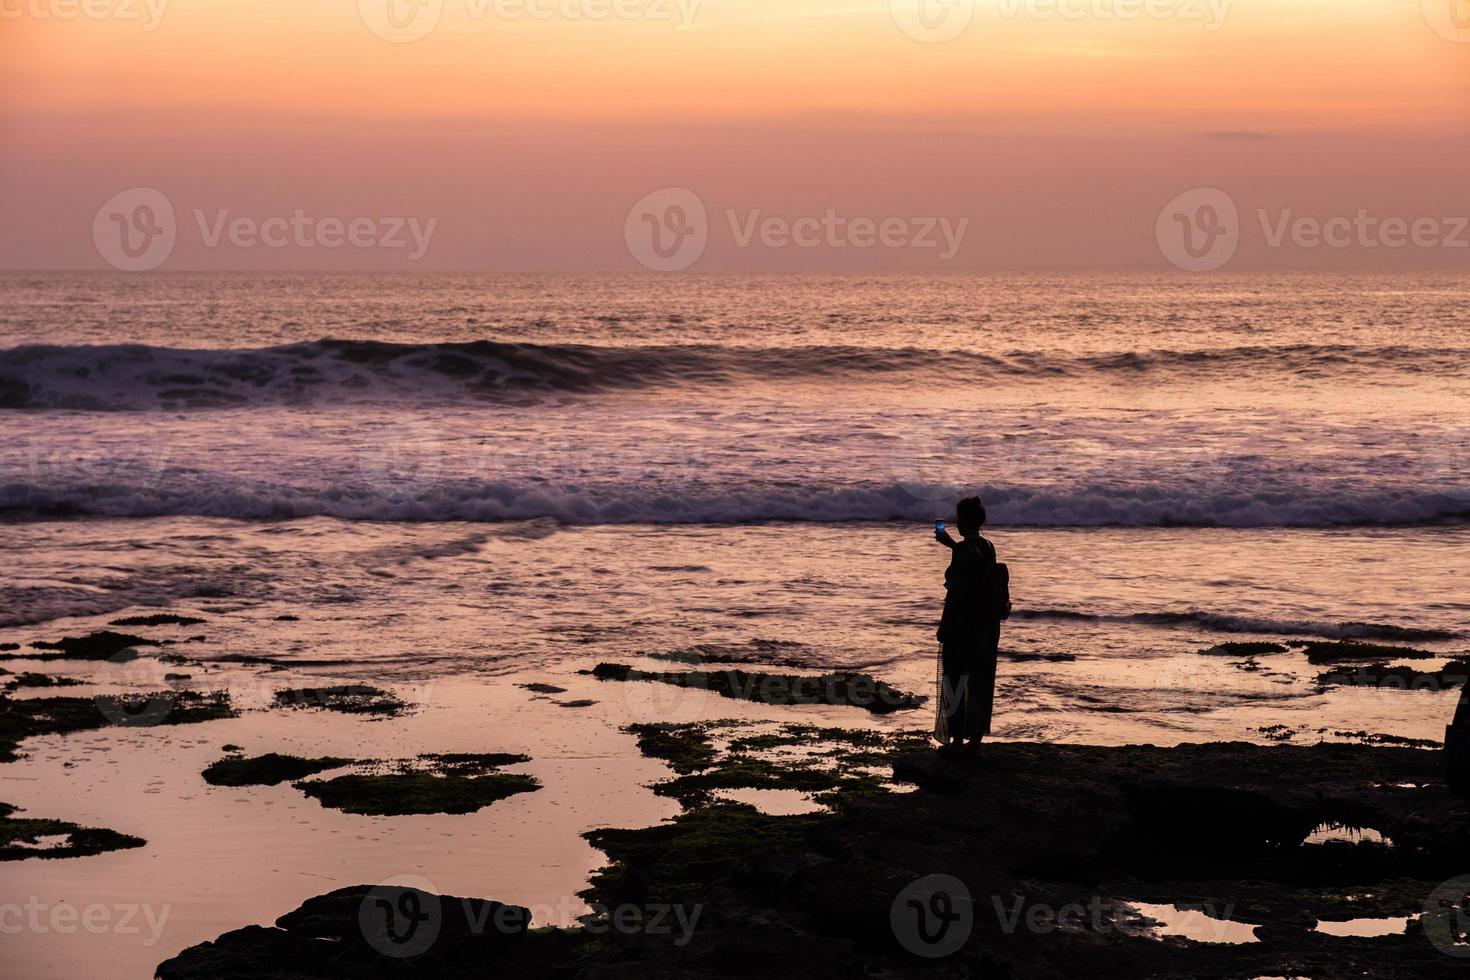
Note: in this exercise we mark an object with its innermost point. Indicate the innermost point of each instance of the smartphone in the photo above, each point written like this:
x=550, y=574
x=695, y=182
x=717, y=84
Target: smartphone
x=938, y=527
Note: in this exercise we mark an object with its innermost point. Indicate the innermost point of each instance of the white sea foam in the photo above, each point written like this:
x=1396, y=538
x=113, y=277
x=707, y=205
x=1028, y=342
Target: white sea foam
x=345, y=495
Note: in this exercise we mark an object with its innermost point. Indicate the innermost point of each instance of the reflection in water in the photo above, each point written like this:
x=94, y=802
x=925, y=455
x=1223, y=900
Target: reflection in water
x=1195, y=925
x=1367, y=928
x=1339, y=833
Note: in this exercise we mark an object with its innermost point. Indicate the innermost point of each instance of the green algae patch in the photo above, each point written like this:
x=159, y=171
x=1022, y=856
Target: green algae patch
x=828, y=762
x=158, y=619
x=675, y=862
x=103, y=645
x=1399, y=677
x=1323, y=652
x=1245, y=649
x=456, y=782
x=26, y=717
x=698, y=789
x=538, y=687
x=839, y=688
x=470, y=763
x=270, y=769
x=31, y=680
x=405, y=793
x=350, y=699
x=686, y=748
x=1378, y=738
x=22, y=838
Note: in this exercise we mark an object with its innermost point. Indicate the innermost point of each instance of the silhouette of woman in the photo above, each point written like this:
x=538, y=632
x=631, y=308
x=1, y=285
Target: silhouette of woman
x=975, y=602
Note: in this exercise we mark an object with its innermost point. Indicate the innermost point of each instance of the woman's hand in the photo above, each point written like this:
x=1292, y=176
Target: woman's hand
x=943, y=538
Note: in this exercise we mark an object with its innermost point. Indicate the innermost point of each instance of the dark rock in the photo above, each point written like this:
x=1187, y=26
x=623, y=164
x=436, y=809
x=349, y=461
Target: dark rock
x=22, y=838
x=267, y=770
x=367, y=931
x=539, y=688
x=857, y=690
x=104, y=645
x=158, y=619
x=1457, y=747
x=352, y=699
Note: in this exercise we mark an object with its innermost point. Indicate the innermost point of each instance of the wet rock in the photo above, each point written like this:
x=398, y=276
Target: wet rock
x=857, y=690
x=22, y=838
x=1024, y=827
x=25, y=717
x=1457, y=747
x=267, y=770
x=539, y=688
x=104, y=645
x=370, y=931
x=1323, y=652
x=158, y=619
x=402, y=793
x=28, y=679
x=352, y=699
x=1399, y=677
x=1244, y=649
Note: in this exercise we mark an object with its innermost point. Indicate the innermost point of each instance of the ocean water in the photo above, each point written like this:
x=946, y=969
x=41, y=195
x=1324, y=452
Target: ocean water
x=456, y=485
x=460, y=474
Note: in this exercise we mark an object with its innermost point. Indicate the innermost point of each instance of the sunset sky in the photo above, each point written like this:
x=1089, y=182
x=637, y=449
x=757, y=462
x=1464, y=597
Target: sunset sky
x=1060, y=138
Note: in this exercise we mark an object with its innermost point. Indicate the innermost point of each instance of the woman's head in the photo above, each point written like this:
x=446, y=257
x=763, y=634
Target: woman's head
x=970, y=515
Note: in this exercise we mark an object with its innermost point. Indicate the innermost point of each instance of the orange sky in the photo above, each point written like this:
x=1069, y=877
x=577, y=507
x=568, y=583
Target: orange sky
x=529, y=138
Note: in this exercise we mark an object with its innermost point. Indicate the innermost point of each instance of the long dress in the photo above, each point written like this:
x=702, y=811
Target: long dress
x=969, y=640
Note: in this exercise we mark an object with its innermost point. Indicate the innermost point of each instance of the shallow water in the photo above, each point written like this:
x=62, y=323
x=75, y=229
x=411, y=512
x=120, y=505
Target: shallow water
x=1195, y=925
x=746, y=465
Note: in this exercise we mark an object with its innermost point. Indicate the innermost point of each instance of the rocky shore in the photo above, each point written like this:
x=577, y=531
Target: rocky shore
x=1023, y=860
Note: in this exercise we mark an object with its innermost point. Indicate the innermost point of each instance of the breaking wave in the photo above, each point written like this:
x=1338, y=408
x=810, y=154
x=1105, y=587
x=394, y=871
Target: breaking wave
x=1225, y=623
x=346, y=496
x=137, y=377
